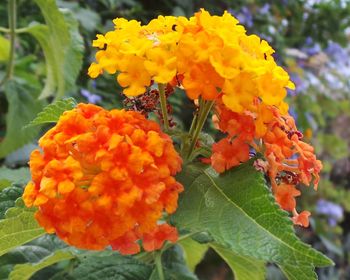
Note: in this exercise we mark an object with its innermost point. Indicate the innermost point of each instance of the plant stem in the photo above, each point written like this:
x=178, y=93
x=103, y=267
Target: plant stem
x=12, y=19
x=203, y=113
x=17, y=31
x=163, y=105
x=159, y=267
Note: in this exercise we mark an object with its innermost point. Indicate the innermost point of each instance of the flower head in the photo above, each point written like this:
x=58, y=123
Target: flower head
x=104, y=178
x=213, y=54
x=289, y=160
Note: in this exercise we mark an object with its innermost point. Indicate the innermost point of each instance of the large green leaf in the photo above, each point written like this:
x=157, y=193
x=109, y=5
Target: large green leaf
x=62, y=46
x=42, y=34
x=17, y=228
x=25, y=271
x=243, y=267
x=52, y=112
x=22, y=107
x=110, y=267
x=239, y=212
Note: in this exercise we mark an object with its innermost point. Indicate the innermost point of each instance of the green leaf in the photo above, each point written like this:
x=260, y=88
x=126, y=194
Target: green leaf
x=302, y=272
x=8, y=197
x=25, y=271
x=42, y=34
x=111, y=267
x=4, y=49
x=174, y=266
x=243, y=267
x=17, y=228
x=32, y=252
x=193, y=252
x=22, y=107
x=62, y=46
x=239, y=212
x=9, y=176
x=52, y=112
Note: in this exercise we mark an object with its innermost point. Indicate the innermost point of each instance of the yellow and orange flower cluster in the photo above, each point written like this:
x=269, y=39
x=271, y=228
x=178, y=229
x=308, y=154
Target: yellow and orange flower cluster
x=289, y=160
x=105, y=178
x=211, y=56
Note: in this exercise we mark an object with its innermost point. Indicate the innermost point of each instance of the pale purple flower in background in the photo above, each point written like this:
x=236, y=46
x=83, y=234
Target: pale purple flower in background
x=91, y=98
x=244, y=16
x=264, y=10
x=311, y=48
x=293, y=113
x=300, y=84
x=333, y=81
x=333, y=211
x=336, y=51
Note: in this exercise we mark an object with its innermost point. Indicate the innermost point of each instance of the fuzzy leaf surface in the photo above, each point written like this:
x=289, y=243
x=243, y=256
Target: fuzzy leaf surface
x=239, y=212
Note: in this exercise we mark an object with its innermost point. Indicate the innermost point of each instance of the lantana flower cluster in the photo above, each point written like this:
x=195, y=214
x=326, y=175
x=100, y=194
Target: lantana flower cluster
x=286, y=159
x=105, y=178
x=212, y=58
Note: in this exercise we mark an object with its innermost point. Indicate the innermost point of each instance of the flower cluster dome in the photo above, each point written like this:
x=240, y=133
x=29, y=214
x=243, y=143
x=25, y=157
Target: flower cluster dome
x=211, y=56
x=105, y=178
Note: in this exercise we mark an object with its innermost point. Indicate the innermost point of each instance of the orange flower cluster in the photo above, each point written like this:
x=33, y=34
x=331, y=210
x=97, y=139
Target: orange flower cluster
x=211, y=56
x=289, y=160
x=105, y=178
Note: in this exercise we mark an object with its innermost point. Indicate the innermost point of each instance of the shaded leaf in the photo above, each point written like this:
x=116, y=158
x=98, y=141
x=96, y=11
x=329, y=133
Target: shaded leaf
x=22, y=107
x=25, y=271
x=116, y=267
x=9, y=176
x=174, y=264
x=8, y=197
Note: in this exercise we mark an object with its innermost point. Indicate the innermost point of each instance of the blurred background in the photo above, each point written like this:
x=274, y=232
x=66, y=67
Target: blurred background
x=311, y=39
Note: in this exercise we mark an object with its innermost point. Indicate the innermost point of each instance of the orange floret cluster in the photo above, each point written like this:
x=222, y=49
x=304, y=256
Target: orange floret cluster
x=105, y=178
x=288, y=160
x=211, y=57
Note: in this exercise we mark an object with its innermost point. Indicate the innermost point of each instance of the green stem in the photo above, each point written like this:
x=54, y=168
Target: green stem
x=163, y=105
x=12, y=19
x=17, y=31
x=194, y=123
x=159, y=267
x=204, y=110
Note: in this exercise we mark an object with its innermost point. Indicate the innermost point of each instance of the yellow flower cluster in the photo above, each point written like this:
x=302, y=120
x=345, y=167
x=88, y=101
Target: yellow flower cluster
x=209, y=56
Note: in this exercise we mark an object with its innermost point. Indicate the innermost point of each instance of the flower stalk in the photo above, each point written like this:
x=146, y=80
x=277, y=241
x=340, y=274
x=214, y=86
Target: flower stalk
x=159, y=267
x=204, y=109
x=12, y=19
x=163, y=105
